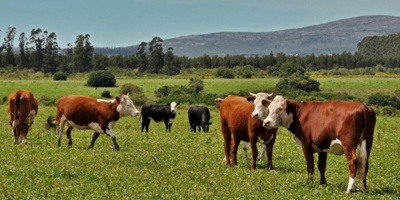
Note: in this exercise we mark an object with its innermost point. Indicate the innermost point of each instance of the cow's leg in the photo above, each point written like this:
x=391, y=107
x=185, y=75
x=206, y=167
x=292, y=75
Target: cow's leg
x=269, y=148
x=60, y=129
x=350, y=154
x=245, y=152
x=322, y=156
x=308, y=154
x=235, y=145
x=110, y=133
x=16, y=134
x=68, y=133
x=227, y=144
x=254, y=152
x=23, y=133
x=94, y=138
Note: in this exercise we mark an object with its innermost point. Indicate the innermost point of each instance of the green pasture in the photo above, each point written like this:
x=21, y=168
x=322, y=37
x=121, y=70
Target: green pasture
x=180, y=164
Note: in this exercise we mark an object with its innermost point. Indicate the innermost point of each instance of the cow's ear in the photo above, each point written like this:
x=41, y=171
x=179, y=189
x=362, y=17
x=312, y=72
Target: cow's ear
x=118, y=99
x=251, y=98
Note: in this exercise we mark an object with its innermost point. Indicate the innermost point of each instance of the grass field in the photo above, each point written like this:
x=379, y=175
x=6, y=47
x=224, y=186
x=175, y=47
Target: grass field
x=180, y=164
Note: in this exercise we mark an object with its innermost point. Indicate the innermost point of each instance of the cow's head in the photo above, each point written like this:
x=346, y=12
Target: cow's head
x=126, y=106
x=174, y=106
x=260, y=101
x=279, y=115
x=206, y=126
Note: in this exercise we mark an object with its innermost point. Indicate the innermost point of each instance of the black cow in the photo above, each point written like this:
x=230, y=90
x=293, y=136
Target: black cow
x=199, y=116
x=158, y=113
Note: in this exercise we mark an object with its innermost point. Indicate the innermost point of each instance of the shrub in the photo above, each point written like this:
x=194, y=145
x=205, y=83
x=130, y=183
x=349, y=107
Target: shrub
x=135, y=93
x=101, y=79
x=60, y=76
x=388, y=111
x=225, y=73
x=106, y=94
x=299, y=83
x=382, y=100
x=46, y=101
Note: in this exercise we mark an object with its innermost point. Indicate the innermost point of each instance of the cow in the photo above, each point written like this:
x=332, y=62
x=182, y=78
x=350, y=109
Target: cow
x=336, y=127
x=84, y=112
x=199, y=117
x=158, y=113
x=23, y=108
x=237, y=124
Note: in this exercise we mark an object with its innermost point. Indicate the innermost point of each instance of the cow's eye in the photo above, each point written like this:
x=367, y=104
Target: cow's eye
x=280, y=108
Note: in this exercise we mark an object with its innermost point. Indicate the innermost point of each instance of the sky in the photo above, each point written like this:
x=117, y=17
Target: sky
x=121, y=23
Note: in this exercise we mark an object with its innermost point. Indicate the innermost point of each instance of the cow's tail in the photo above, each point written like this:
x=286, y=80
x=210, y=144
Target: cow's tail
x=16, y=110
x=366, y=142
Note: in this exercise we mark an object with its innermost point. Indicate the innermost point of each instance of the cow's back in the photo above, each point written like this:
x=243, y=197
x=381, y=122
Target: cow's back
x=234, y=114
x=81, y=109
x=21, y=105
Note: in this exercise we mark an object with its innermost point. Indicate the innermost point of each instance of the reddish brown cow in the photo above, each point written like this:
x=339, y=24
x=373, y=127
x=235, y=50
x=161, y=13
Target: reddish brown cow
x=88, y=113
x=23, y=108
x=237, y=124
x=328, y=127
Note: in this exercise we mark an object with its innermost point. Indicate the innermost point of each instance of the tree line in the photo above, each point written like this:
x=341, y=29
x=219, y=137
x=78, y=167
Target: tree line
x=40, y=52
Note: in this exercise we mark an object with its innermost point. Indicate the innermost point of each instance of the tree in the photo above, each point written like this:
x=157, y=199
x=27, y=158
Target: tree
x=35, y=44
x=82, y=54
x=23, y=54
x=156, y=60
x=170, y=66
x=50, y=52
x=8, y=45
x=141, y=54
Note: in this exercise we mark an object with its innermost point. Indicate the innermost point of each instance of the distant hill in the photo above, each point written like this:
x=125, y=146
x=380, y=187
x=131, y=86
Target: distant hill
x=332, y=37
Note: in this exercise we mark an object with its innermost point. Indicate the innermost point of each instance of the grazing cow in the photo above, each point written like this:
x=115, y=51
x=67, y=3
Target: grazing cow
x=199, y=116
x=237, y=124
x=89, y=113
x=158, y=113
x=23, y=108
x=328, y=127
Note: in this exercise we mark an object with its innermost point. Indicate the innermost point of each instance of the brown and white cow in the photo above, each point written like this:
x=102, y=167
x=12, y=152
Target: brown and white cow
x=336, y=127
x=23, y=108
x=237, y=124
x=89, y=113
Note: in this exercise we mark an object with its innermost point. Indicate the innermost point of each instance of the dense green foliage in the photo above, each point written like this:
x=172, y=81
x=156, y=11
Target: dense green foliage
x=380, y=45
x=40, y=52
x=60, y=76
x=134, y=91
x=101, y=79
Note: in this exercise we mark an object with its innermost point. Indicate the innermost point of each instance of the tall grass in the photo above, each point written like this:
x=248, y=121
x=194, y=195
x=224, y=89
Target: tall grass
x=176, y=165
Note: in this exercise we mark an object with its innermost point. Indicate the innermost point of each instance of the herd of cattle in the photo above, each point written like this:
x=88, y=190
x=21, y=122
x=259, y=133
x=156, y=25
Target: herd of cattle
x=336, y=127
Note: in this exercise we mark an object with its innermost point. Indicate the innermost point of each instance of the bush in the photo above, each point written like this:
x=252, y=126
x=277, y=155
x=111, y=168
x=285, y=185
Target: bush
x=382, y=100
x=298, y=83
x=106, y=94
x=101, y=79
x=388, y=111
x=225, y=73
x=135, y=93
x=60, y=76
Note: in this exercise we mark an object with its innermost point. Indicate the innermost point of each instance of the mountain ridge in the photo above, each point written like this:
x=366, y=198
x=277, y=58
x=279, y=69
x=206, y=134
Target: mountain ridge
x=326, y=38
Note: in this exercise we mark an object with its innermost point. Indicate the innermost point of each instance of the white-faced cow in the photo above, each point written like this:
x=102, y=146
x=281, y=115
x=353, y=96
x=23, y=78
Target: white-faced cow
x=237, y=124
x=328, y=127
x=89, y=113
x=158, y=113
x=23, y=108
x=199, y=116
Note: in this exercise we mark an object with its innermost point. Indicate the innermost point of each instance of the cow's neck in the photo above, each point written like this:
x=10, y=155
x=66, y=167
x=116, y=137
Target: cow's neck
x=294, y=107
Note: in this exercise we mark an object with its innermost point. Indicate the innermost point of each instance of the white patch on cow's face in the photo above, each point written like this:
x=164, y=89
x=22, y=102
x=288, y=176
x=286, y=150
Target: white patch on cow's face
x=174, y=106
x=334, y=148
x=126, y=107
x=277, y=114
x=260, y=110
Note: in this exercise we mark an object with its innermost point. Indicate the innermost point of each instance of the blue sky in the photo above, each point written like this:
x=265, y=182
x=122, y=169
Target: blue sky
x=120, y=23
